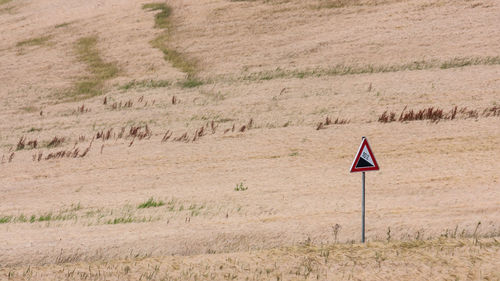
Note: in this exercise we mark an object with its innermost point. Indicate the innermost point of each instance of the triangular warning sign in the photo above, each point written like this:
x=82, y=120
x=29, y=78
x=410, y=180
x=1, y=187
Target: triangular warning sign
x=364, y=160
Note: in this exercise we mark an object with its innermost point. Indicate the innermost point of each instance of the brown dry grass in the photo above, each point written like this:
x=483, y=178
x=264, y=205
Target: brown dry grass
x=460, y=259
x=267, y=73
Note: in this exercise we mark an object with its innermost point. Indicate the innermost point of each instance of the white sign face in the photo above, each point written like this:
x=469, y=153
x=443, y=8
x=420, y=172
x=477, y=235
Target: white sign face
x=366, y=156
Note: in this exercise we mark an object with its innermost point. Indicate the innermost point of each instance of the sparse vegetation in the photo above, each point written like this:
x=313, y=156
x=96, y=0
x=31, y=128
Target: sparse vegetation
x=99, y=216
x=29, y=109
x=191, y=83
x=491, y=111
x=5, y=219
x=100, y=71
x=468, y=61
x=435, y=114
x=36, y=41
x=343, y=69
x=151, y=203
x=240, y=187
x=120, y=105
x=162, y=17
x=23, y=143
x=176, y=58
x=328, y=121
x=216, y=96
x=61, y=25
x=33, y=129
x=56, y=141
x=432, y=259
x=71, y=153
x=63, y=215
x=74, y=213
x=120, y=220
x=209, y=127
x=331, y=4
x=82, y=109
x=146, y=84
x=336, y=4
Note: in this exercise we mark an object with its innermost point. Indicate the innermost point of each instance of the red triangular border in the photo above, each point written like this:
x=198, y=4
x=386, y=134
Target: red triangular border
x=356, y=159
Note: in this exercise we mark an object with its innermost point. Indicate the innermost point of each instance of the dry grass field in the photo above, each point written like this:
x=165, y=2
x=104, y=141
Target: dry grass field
x=212, y=140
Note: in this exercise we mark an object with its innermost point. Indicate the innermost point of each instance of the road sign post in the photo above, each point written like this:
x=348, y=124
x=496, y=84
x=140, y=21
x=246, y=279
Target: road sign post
x=364, y=161
x=363, y=212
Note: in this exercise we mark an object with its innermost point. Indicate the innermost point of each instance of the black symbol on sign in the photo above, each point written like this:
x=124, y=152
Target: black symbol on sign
x=362, y=163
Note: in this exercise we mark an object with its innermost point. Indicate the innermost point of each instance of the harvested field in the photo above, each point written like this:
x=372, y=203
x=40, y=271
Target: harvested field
x=182, y=140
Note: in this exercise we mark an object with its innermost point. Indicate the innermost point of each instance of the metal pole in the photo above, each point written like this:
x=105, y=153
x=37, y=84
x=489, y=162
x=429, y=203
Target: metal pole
x=363, y=212
x=363, y=208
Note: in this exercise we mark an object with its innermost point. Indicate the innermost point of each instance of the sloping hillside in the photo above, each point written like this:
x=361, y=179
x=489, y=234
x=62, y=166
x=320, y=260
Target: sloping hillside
x=135, y=129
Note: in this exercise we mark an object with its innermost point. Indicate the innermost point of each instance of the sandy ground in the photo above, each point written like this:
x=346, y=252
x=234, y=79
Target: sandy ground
x=435, y=178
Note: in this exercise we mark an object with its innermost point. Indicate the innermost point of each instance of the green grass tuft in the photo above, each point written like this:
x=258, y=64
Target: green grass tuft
x=191, y=83
x=100, y=71
x=151, y=203
x=176, y=58
x=120, y=220
x=161, y=18
x=87, y=52
x=146, y=84
x=37, y=41
x=22, y=218
x=240, y=187
x=64, y=24
x=46, y=217
x=5, y=219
